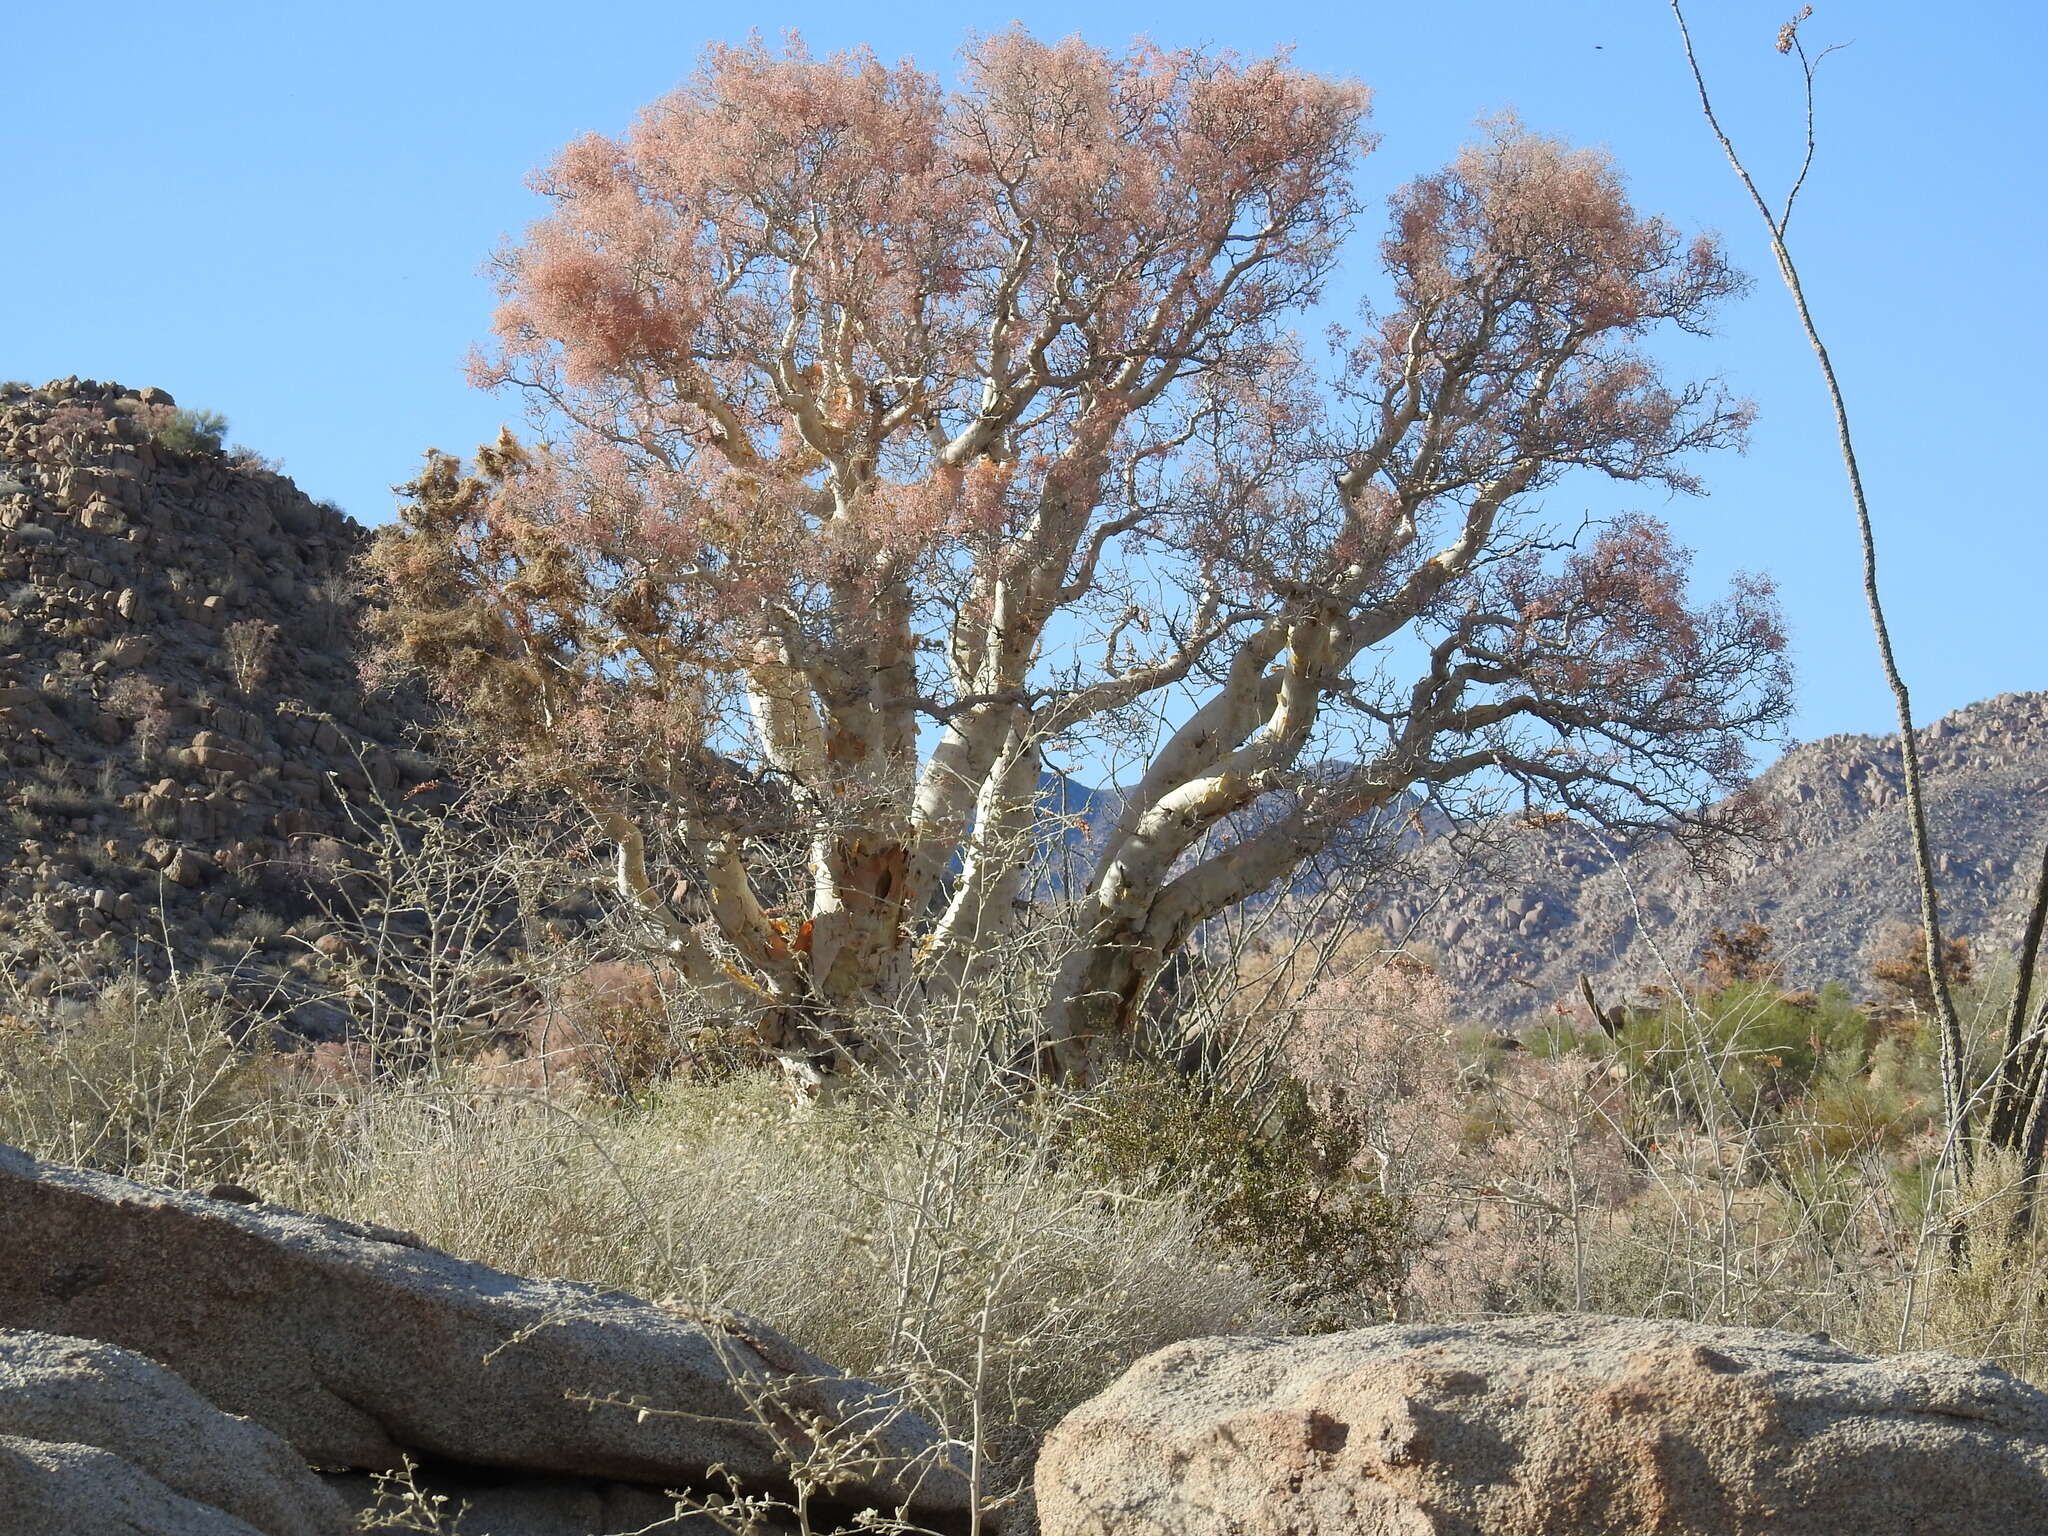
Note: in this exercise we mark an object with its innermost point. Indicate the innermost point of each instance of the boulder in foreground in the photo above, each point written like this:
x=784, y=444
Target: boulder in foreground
x=1548, y=1426
x=93, y=1438
x=360, y=1347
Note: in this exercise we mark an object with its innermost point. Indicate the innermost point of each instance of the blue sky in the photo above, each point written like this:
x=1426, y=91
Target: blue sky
x=280, y=212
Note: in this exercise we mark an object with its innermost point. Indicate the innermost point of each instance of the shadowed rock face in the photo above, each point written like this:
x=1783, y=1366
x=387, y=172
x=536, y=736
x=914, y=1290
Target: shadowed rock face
x=94, y=1438
x=1548, y=1426
x=55, y=1489
x=549, y=1506
x=359, y=1347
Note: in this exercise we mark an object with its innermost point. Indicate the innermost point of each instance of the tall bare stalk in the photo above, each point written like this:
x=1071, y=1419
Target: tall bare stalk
x=1955, y=1102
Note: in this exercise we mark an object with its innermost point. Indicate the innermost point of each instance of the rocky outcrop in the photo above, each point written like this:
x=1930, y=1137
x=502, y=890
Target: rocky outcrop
x=361, y=1348
x=1548, y=1426
x=183, y=734
x=94, y=1438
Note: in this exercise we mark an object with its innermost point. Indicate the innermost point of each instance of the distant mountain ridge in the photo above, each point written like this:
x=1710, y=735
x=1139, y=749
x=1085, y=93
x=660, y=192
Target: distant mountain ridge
x=1558, y=901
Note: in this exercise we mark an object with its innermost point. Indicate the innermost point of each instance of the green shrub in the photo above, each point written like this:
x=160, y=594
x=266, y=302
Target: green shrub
x=1281, y=1182
x=1745, y=1048
x=46, y=799
x=1876, y=1104
x=258, y=927
x=192, y=431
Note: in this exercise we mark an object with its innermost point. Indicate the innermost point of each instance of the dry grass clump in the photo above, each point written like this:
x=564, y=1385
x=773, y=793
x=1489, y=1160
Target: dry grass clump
x=134, y=1081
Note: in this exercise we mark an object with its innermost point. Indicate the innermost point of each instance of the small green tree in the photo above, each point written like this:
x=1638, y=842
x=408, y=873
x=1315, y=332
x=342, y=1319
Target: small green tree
x=189, y=431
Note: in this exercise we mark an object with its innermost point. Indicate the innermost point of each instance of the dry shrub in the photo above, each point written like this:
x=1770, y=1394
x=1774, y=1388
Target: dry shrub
x=1535, y=1160
x=618, y=1014
x=1990, y=1299
x=1898, y=966
x=136, y=1081
x=1651, y=1176
x=605, y=1026
x=1380, y=1040
x=1736, y=1156
x=620, y=1029
x=248, y=645
x=1374, y=1035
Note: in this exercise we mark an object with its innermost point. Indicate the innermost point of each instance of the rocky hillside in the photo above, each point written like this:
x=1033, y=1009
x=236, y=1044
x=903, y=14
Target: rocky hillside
x=183, y=724
x=1514, y=937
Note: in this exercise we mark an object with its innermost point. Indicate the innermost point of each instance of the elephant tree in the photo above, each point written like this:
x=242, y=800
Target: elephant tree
x=894, y=435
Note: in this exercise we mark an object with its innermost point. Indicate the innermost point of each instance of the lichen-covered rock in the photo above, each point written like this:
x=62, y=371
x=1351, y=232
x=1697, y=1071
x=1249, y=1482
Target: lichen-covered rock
x=1548, y=1426
x=360, y=1348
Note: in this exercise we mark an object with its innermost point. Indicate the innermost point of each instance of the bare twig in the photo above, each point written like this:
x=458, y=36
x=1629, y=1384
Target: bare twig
x=1954, y=1103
